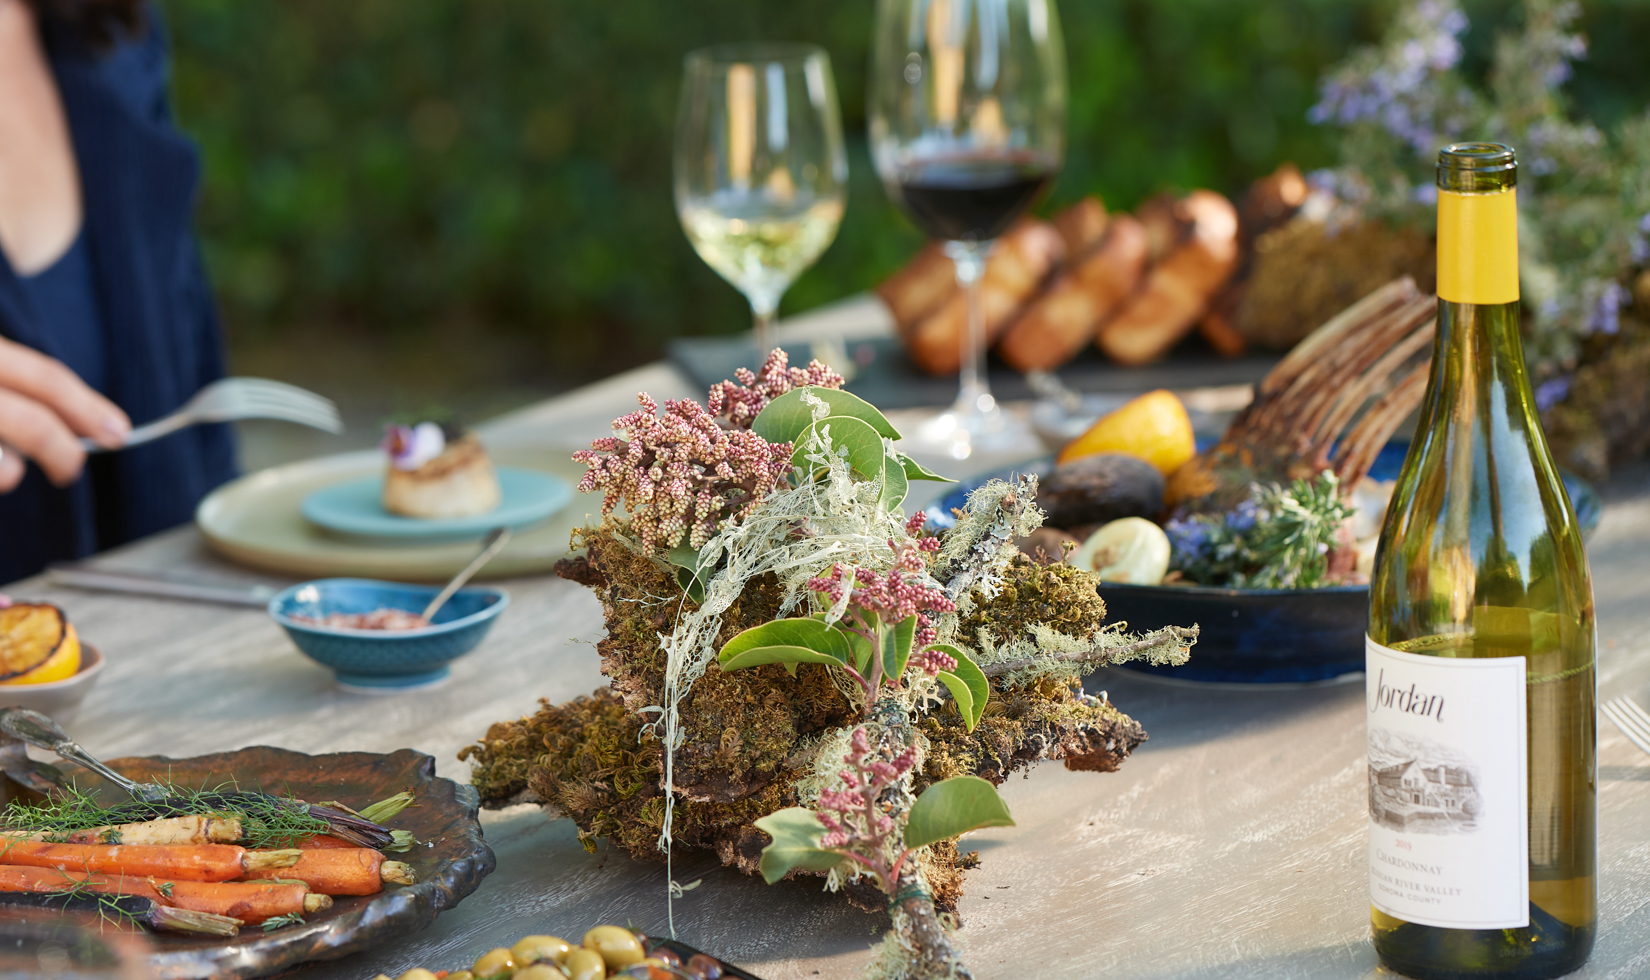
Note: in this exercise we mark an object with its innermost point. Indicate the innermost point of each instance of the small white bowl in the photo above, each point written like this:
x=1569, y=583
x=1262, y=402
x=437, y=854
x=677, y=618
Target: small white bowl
x=58, y=700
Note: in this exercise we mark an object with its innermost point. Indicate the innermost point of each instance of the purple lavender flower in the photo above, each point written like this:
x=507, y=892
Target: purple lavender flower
x=1188, y=539
x=1394, y=87
x=1605, y=317
x=1638, y=245
x=1552, y=391
x=1245, y=515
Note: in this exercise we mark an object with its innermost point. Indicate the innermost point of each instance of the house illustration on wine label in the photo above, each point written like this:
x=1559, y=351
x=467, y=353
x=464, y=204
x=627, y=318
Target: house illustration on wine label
x=1418, y=794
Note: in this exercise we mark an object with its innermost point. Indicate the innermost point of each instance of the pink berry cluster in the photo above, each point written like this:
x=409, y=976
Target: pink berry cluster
x=739, y=403
x=934, y=661
x=896, y=594
x=853, y=817
x=680, y=472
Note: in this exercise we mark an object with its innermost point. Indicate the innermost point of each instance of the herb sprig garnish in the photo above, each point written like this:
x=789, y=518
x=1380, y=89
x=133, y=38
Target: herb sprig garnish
x=266, y=821
x=282, y=921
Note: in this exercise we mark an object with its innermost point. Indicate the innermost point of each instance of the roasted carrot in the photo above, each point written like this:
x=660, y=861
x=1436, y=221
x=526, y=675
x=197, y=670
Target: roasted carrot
x=195, y=862
x=250, y=901
x=356, y=871
x=244, y=900
x=207, y=829
x=321, y=842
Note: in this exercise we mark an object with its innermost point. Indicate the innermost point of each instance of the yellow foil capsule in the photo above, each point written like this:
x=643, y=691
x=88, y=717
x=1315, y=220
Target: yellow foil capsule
x=1478, y=247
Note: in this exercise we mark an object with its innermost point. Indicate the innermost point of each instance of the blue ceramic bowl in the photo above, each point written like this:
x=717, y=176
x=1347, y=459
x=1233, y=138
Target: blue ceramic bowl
x=386, y=660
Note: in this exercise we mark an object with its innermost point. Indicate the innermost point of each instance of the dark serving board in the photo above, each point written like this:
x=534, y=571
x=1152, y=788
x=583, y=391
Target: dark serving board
x=887, y=379
x=449, y=862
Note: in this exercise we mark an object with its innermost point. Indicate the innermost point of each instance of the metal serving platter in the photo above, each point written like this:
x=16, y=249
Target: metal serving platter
x=449, y=863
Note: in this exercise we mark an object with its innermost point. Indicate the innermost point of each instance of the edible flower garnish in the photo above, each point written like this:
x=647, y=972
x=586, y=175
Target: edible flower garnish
x=411, y=446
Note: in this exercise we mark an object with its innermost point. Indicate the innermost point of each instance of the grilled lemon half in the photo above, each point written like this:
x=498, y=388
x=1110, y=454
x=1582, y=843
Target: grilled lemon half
x=37, y=644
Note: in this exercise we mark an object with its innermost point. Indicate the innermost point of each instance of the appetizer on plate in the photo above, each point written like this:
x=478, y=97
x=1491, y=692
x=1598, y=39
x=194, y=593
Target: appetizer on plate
x=437, y=470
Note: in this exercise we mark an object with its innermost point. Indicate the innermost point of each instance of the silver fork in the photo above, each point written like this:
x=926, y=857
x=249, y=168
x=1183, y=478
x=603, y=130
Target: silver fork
x=1633, y=721
x=239, y=398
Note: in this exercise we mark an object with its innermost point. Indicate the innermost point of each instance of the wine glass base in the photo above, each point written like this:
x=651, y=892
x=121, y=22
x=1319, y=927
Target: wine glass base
x=968, y=429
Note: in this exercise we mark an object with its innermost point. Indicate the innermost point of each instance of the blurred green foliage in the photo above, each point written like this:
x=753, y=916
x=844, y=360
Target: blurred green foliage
x=390, y=164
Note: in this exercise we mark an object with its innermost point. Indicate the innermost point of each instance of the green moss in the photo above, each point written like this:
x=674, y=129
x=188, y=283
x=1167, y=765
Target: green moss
x=1057, y=595
x=1050, y=719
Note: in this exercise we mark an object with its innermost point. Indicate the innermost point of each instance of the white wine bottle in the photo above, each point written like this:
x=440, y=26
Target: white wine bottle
x=1482, y=737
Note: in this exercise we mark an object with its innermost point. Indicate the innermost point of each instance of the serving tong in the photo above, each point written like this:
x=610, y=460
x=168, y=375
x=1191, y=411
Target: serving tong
x=20, y=726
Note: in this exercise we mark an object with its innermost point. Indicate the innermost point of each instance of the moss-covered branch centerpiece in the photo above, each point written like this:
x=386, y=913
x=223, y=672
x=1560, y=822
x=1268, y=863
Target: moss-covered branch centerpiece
x=804, y=680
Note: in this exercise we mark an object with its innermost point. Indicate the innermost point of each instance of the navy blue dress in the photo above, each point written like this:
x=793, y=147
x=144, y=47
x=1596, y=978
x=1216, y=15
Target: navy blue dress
x=128, y=308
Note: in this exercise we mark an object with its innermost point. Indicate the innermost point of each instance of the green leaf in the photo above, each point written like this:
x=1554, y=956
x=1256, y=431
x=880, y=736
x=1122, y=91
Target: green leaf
x=688, y=573
x=894, y=486
x=857, y=642
x=683, y=557
x=786, y=641
x=952, y=807
x=896, y=647
x=788, y=656
x=785, y=418
x=865, y=453
x=967, y=683
x=796, y=832
x=916, y=471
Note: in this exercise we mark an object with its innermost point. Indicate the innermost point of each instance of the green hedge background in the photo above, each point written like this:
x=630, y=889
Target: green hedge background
x=400, y=170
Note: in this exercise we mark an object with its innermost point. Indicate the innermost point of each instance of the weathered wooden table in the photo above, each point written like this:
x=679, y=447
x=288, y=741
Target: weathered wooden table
x=1230, y=845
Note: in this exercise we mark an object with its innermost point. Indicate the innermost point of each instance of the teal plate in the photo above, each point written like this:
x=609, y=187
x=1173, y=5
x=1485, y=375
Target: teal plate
x=354, y=507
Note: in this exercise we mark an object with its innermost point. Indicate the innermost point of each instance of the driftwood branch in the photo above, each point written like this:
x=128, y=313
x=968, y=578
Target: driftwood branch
x=937, y=958
x=1182, y=634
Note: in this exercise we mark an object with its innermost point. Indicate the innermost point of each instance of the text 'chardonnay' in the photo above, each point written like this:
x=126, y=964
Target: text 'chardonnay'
x=1480, y=656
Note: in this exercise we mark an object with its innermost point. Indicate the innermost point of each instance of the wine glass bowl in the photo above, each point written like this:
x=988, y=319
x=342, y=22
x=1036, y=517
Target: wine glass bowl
x=760, y=171
x=966, y=111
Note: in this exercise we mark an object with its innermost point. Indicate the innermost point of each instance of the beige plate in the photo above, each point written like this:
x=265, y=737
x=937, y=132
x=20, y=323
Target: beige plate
x=255, y=521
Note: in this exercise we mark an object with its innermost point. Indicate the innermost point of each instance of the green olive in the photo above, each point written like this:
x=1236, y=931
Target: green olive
x=417, y=973
x=540, y=971
x=494, y=963
x=618, y=947
x=584, y=964
x=532, y=949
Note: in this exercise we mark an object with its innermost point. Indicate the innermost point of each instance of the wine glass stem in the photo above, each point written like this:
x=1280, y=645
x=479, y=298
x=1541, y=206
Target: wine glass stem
x=974, y=392
x=762, y=317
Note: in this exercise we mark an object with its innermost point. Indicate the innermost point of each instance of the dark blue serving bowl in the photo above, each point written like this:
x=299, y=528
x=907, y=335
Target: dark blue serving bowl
x=1258, y=636
x=385, y=661
x=1251, y=636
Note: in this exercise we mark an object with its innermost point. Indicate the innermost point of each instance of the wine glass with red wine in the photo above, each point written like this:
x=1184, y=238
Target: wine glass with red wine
x=967, y=113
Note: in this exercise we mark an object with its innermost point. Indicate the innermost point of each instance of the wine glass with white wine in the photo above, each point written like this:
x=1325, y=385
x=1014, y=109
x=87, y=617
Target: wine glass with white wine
x=761, y=175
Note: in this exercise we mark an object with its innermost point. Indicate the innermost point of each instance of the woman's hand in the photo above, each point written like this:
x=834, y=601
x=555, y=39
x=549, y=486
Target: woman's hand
x=44, y=409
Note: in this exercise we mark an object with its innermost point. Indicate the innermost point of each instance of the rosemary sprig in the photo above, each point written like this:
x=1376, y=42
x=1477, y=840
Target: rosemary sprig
x=282, y=921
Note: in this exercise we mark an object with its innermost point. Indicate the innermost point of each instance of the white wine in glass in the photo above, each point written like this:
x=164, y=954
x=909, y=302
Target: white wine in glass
x=761, y=175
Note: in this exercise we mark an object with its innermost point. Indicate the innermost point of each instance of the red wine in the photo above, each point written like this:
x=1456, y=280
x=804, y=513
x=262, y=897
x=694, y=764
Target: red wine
x=971, y=199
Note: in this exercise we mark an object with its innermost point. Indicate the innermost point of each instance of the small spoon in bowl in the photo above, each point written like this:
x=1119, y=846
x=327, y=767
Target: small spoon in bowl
x=491, y=545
